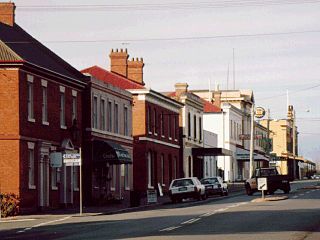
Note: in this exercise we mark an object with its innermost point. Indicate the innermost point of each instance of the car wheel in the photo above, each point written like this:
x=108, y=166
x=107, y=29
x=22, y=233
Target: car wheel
x=249, y=190
x=174, y=200
x=204, y=196
x=226, y=193
x=287, y=189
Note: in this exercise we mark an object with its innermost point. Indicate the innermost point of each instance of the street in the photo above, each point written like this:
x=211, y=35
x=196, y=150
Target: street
x=233, y=217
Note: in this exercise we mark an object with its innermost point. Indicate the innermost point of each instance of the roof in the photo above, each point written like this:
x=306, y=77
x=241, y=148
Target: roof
x=17, y=45
x=112, y=78
x=210, y=108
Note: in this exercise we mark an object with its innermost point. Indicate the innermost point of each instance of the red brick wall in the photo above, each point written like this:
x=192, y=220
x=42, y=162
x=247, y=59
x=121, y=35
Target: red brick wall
x=140, y=164
x=138, y=117
x=9, y=131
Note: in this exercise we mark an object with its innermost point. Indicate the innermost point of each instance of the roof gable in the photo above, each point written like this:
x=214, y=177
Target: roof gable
x=7, y=55
x=210, y=108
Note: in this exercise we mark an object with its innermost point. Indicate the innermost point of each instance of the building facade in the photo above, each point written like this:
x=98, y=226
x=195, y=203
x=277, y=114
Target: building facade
x=191, y=126
x=108, y=143
x=41, y=109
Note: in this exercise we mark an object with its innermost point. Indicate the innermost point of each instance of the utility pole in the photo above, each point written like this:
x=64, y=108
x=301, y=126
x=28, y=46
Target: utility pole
x=252, y=143
x=268, y=135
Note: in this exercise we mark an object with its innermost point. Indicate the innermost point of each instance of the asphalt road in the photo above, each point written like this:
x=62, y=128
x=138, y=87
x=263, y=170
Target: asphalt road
x=234, y=217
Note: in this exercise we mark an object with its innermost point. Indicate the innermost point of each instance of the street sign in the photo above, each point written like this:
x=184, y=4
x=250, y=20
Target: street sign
x=259, y=112
x=55, y=159
x=152, y=196
x=72, y=159
x=262, y=184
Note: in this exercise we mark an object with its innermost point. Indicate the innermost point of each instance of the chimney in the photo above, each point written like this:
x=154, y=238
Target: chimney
x=135, y=70
x=119, y=62
x=7, y=13
x=217, y=97
x=290, y=112
x=181, y=88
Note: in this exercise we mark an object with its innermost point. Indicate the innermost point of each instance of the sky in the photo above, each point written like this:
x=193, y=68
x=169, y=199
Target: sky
x=271, y=47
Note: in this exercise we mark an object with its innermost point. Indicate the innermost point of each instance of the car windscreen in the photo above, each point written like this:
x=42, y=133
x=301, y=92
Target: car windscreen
x=182, y=183
x=209, y=181
x=268, y=172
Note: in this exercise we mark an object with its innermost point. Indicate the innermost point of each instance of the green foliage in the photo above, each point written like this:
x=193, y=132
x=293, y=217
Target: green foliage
x=9, y=204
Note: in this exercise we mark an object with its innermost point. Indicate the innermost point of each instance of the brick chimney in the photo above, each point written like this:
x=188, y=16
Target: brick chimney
x=181, y=88
x=119, y=62
x=217, y=97
x=135, y=70
x=7, y=13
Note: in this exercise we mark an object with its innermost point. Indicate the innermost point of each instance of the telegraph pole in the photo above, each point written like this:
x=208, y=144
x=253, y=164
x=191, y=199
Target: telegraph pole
x=252, y=142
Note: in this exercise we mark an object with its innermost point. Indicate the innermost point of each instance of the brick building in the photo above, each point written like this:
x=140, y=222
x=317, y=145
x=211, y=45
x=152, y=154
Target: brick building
x=108, y=141
x=154, y=122
x=40, y=109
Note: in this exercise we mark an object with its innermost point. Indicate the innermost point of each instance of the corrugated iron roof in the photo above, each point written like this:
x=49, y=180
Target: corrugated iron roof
x=6, y=54
x=32, y=51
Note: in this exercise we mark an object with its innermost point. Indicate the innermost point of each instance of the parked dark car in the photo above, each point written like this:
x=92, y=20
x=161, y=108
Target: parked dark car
x=215, y=185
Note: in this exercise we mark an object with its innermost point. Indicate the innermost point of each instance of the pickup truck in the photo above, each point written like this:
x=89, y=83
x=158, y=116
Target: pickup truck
x=274, y=181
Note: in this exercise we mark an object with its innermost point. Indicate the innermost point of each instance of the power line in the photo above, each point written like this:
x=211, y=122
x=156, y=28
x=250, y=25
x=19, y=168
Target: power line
x=284, y=94
x=174, y=38
x=163, y=6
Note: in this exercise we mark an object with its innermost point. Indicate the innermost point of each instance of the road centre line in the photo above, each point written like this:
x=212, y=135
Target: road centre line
x=188, y=221
x=295, y=196
x=169, y=228
x=301, y=194
x=42, y=224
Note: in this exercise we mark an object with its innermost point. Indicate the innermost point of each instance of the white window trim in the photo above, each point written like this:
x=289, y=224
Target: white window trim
x=44, y=83
x=63, y=90
x=74, y=93
x=31, y=146
x=30, y=79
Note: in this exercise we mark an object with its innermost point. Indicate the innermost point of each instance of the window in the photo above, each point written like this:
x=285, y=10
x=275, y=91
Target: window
x=162, y=124
x=150, y=170
x=126, y=121
x=109, y=116
x=113, y=174
x=162, y=168
x=116, y=118
x=174, y=127
x=155, y=121
x=189, y=125
x=95, y=112
x=103, y=115
x=231, y=132
x=126, y=177
x=175, y=167
x=44, y=105
x=195, y=127
x=76, y=178
x=149, y=120
x=30, y=99
x=200, y=128
x=169, y=127
x=31, y=169
x=54, y=178
x=74, y=109
x=62, y=108
x=74, y=105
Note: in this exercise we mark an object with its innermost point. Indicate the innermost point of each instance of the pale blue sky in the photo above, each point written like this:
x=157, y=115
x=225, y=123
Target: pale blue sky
x=269, y=65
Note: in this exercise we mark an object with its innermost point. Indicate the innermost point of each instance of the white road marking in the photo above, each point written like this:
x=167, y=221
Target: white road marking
x=308, y=192
x=169, y=228
x=313, y=190
x=42, y=224
x=207, y=214
x=295, y=196
x=194, y=220
x=301, y=194
x=188, y=221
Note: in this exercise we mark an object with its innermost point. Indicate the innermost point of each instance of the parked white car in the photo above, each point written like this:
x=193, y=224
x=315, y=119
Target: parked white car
x=315, y=176
x=183, y=188
x=215, y=185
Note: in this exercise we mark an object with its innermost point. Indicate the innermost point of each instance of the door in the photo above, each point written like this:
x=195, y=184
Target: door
x=44, y=180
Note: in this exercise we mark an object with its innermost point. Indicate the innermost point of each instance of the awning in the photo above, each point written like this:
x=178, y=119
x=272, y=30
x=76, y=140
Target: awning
x=244, y=155
x=211, y=152
x=110, y=152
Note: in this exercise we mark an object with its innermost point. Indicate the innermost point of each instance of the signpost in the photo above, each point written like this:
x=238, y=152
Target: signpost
x=262, y=185
x=74, y=159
